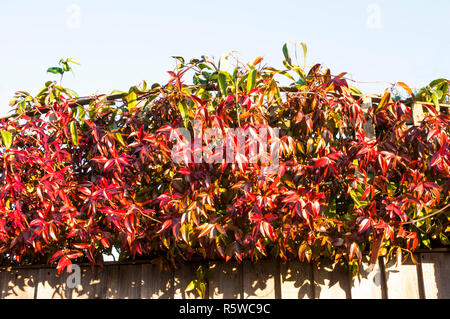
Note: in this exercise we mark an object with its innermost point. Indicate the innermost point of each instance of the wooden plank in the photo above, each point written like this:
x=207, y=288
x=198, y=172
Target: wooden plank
x=2, y=283
x=418, y=114
x=156, y=284
x=110, y=281
x=402, y=282
x=50, y=285
x=183, y=275
x=226, y=280
x=368, y=126
x=436, y=275
x=329, y=283
x=296, y=280
x=130, y=281
x=369, y=284
x=259, y=279
x=19, y=283
x=91, y=284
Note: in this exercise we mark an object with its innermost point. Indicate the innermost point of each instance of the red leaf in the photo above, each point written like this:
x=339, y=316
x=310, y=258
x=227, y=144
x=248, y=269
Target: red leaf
x=321, y=162
x=105, y=242
x=63, y=263
x=108, y=164
x=85, y=190
x=366, y=193
x=364, y=224
x=184, y=171
x=335, y=156
x=72, y=254
x=166, y=224
x=355, y=250
x=431, y=185
x=80, y=245
x=56, y=255
x=99, y=159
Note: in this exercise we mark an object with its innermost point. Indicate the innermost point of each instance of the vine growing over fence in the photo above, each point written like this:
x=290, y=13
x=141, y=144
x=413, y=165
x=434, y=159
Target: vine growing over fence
x=79, y=179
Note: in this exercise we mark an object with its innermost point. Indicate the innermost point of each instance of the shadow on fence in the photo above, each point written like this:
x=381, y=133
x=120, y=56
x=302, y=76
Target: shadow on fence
x=264, y=279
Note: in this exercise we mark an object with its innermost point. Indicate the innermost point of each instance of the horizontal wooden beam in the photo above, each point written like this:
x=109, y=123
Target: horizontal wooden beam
x=117, y=96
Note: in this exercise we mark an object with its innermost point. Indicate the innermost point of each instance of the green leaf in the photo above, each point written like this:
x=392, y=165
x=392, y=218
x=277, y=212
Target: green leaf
x=66, y=66
x=222, y=81
x=120, y=139
x=73, y=132
x=436, y=96
x=427, y=243
x=117, y=92
x=81, y=112
x=286, y=54
x=358, y=203
x=179, y=58
x=75, y=94
x=354, y=90
x=436, y=82
x=251, y=80
x=444, y=239
x=286, y=74
x=55, y=70
x=204, y=66
x=305, y=50
x=301, y=82
x=131, y=99
x=73, y=61
x=7, y=139
x=184, y=112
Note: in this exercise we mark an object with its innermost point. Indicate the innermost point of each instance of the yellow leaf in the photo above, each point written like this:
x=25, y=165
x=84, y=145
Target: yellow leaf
x=191, y=286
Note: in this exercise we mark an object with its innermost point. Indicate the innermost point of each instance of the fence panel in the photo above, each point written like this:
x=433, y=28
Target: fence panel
x=263, y=279
x=226, y=280
x=331, y=284
x=259, y=279
x=369, y=285
x=296, y=280
x=436, y=274
x=402, y=281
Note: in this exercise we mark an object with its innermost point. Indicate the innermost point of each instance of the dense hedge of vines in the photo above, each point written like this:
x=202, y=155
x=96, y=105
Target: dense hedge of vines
x=79, y=180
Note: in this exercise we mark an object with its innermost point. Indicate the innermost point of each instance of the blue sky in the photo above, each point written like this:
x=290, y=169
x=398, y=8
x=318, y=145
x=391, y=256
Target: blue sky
x=121, y=43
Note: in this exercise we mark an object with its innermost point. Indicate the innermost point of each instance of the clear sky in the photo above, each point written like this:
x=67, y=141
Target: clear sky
x=121, y=43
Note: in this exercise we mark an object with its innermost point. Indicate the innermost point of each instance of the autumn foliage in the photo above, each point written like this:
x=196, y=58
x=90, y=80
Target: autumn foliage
x=79, y=179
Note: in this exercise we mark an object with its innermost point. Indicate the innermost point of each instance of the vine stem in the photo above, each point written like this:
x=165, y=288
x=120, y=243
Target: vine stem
x=427, y=216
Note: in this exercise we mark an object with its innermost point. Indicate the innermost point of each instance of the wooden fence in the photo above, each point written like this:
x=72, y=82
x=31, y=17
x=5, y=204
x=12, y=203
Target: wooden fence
x=264, y=279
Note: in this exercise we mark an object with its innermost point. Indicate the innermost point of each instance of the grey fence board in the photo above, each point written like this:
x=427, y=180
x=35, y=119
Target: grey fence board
x=436, y=275
x=182, y=277
x=156, y=283
x=225, y=280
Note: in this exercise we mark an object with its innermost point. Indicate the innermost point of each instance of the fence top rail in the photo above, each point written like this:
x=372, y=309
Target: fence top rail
x=140, y=96
x=193, y=261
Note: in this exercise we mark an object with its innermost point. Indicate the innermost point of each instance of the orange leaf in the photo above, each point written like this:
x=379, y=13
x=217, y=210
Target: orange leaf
x=257, y=60
x=406, y=87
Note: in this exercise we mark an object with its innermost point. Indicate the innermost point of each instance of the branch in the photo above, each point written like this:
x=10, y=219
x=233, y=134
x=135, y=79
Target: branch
x=429, y=215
